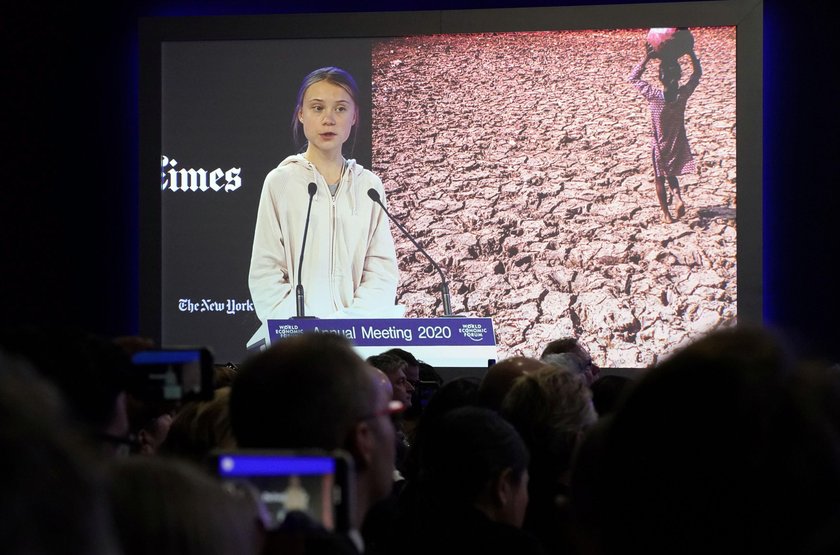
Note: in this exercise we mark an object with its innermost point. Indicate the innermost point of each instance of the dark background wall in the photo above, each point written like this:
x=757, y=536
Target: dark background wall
x=69, y=191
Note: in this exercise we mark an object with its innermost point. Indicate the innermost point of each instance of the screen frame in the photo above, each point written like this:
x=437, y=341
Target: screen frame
x=745, y=15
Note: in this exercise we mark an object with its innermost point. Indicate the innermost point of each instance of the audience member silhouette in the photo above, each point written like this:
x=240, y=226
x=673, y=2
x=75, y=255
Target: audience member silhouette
x=430, y=382
x=91, y=371
x=607, y=391
x=394, y=368
x=714, y=451
x=149, y=427
x=201, y=427
x=164, y=506
x=500, y=378
x=458, y=392
x=53, y=499
x=572, y=346
x=551, y=408
x=473, y=489
x=412, y=372
x=224, y=374
x=585, y=486
x=314, y=391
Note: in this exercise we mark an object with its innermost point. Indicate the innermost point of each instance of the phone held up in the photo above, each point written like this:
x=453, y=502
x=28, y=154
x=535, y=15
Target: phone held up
x=292, y=486
x=172, y=374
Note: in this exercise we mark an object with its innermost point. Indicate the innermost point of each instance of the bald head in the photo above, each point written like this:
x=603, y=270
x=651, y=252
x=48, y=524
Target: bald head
x=500, y=377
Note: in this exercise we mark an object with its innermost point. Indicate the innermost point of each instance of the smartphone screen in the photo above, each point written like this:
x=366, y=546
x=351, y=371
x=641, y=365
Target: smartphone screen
x=174, y=374
x=312, y=483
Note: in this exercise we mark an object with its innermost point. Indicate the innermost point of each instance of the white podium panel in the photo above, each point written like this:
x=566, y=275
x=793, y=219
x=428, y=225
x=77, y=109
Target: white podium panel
x=444, y=342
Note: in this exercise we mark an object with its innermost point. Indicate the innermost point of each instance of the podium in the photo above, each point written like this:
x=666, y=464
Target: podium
x=441, y=342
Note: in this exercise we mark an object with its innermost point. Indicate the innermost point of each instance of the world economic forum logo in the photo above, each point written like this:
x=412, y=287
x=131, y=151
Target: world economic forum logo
x=287, y=330
x=473, y=332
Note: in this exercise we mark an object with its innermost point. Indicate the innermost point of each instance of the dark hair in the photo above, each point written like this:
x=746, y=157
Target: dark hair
x=607, y=391
x=409, y=358
x=562, y=345
x=428, y=373
x=389, y=364
x=168, y=506
x=200, y=427
x=303, y=391
x=53, y=497
x=471, y=448
x=335, y=76
x=667, y=66
x=721, y=453
x=90, y=370
x=454, y=394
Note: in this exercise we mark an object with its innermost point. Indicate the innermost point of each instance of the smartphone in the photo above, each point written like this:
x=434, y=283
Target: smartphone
x=317, y=483
x=172, y=374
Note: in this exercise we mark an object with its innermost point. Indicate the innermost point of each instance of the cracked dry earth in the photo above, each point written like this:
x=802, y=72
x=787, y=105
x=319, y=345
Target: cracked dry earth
x=521, y=162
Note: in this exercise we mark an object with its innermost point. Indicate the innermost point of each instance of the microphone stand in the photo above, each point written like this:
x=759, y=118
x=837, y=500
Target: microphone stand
x=299, y=301
x=444, y=286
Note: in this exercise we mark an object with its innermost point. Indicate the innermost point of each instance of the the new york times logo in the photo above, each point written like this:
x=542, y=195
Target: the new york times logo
x=180, y=179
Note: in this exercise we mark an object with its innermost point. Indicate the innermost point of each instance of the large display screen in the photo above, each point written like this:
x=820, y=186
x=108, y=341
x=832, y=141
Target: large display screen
x=510, y=144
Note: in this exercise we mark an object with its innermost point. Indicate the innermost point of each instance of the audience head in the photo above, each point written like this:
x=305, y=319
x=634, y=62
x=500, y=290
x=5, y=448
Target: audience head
x=430, y=382
x=572, y=346
x=429, y=374
x=224, y=374
x=200, y=427
x=477, y=460
x=551, y=408
x=53, y=500
x=414, y=376
x=412, y=369
x=395, y=368
x=150, y=425
x=714, y=451
x=500, y=378
x=91, y=372
x=456, y=393
x=167, y=506
x=314, y=391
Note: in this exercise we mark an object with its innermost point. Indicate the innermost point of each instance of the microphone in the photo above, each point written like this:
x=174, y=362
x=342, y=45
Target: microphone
x=299, y=291
x=444, y=287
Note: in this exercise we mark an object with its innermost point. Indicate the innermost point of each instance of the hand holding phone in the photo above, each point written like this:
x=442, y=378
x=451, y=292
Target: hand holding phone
x=303, y=485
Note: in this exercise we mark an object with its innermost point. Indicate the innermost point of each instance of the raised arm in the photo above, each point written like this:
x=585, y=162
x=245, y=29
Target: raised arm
x=696, y=72
x=639, y=68
x=635, y=77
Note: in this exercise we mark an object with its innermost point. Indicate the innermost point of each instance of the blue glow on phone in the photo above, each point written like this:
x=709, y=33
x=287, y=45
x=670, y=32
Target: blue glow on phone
x=269, y=465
